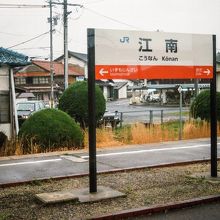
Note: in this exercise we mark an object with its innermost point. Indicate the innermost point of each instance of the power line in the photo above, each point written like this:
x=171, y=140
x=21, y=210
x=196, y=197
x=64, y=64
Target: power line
x=69, y=4
x=28, y=40
x=33, y=48
x=110, y=18
x=92, y=2
x=22, y=6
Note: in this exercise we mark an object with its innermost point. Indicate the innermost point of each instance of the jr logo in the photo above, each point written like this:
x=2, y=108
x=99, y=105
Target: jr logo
x=124, y=40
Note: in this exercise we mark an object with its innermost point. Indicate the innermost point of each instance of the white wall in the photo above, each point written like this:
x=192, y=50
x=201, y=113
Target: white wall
x=4, y=86
x=218, y=81
x=75, y=61
x=6, y=129
x=122, y=93
x=105, y=92
x=4, y=78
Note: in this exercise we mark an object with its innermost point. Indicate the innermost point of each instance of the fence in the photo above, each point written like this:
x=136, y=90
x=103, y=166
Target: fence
x=149, y=116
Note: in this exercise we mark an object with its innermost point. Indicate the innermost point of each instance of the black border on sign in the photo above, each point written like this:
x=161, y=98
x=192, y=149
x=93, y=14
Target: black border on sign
x=92, y=110
x=213, y=114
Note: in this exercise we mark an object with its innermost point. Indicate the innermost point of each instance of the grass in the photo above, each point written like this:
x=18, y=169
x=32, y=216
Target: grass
x=140, y=134
x=129, y=134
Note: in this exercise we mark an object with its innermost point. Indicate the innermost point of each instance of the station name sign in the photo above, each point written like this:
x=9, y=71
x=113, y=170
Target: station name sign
x=152, y=55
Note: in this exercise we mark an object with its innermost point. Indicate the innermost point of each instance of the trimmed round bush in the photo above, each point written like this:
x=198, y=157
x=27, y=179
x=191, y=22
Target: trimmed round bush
x=50, y=129
x=74, y=101
x=200, y=107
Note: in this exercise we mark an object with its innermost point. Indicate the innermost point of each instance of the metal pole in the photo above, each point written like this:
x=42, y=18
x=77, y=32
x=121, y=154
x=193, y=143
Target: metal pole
x=161, y=116
x=180, y=115
x=15, y=115
x=121, y=119
x=91, y=113
x=213, y=114
x=196, y=85
x=51, y=57
x=151, y=116
x=65, y=30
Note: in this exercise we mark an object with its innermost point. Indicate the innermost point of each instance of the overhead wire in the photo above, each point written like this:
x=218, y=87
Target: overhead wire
x=22, y=6
x=110, y=18
x=82, y=6
x=32, y=48
x=28, y=40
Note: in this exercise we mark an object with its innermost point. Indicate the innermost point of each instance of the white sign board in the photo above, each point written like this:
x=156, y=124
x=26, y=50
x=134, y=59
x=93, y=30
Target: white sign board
x=152, y=55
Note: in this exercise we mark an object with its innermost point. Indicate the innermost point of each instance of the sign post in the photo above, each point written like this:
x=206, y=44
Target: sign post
x=213, y=114
x=91, y=113
x=180, y=113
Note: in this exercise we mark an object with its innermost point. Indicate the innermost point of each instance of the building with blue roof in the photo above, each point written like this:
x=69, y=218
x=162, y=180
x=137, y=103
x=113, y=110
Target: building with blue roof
x=8, y=114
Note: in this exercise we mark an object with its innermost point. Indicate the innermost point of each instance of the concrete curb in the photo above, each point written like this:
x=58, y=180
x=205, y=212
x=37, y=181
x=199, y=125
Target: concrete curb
x=157, y=208
x=4, y=185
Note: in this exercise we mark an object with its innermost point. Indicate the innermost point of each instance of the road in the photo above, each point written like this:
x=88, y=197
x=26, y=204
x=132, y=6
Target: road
x=200, y=212
x=141, y=113
x=145, y=155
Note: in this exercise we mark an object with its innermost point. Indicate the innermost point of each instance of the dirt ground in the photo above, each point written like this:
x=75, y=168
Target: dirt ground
x=142, y=188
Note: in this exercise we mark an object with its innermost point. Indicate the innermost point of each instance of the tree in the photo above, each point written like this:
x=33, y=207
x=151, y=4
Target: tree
x=74, y=101
x=50, y=129
x=200, y=107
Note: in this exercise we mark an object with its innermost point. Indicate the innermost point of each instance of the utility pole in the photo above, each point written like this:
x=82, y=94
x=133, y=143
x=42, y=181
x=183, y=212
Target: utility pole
x=196, y=85
x=65, y=31
x=51, y=57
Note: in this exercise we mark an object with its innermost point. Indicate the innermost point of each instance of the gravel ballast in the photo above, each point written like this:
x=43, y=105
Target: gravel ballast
x=143, y=187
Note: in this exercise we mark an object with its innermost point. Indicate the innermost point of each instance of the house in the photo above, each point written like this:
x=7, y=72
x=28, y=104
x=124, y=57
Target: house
x=24, y=96
x=35, y=78
x=8, y=60
x=78, y=59
x=120, y=89
x=113, y=90
x=107, y=87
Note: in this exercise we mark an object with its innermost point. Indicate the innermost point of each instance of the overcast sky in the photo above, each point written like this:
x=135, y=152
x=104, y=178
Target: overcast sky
x=181, y=16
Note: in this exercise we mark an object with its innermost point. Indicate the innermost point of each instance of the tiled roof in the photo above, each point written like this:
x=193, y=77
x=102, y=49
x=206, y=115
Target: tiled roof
x=80, y=56
x=59, y=68
x=12, y=58
x=25, y=95
x=119, y=85
x=104, y=83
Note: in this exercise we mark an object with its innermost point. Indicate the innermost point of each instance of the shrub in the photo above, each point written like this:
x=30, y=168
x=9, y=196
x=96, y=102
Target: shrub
x=200, y=107
x=50, y=128
x=74, y=101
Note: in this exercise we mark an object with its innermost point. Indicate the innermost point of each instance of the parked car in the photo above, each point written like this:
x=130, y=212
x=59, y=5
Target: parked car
x=26, y=108
x=112, y=118
x=153, y=96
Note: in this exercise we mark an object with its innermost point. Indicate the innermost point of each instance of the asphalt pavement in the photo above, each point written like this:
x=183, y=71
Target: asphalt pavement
x=21, y=169
x=199, y=212
x=141, y=112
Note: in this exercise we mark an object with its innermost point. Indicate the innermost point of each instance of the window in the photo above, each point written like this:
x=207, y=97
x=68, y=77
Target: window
x=40, y=80
x=4, y=107
x=29, y=80
x=43, y=80
x=35, y=80
x=20, y=81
